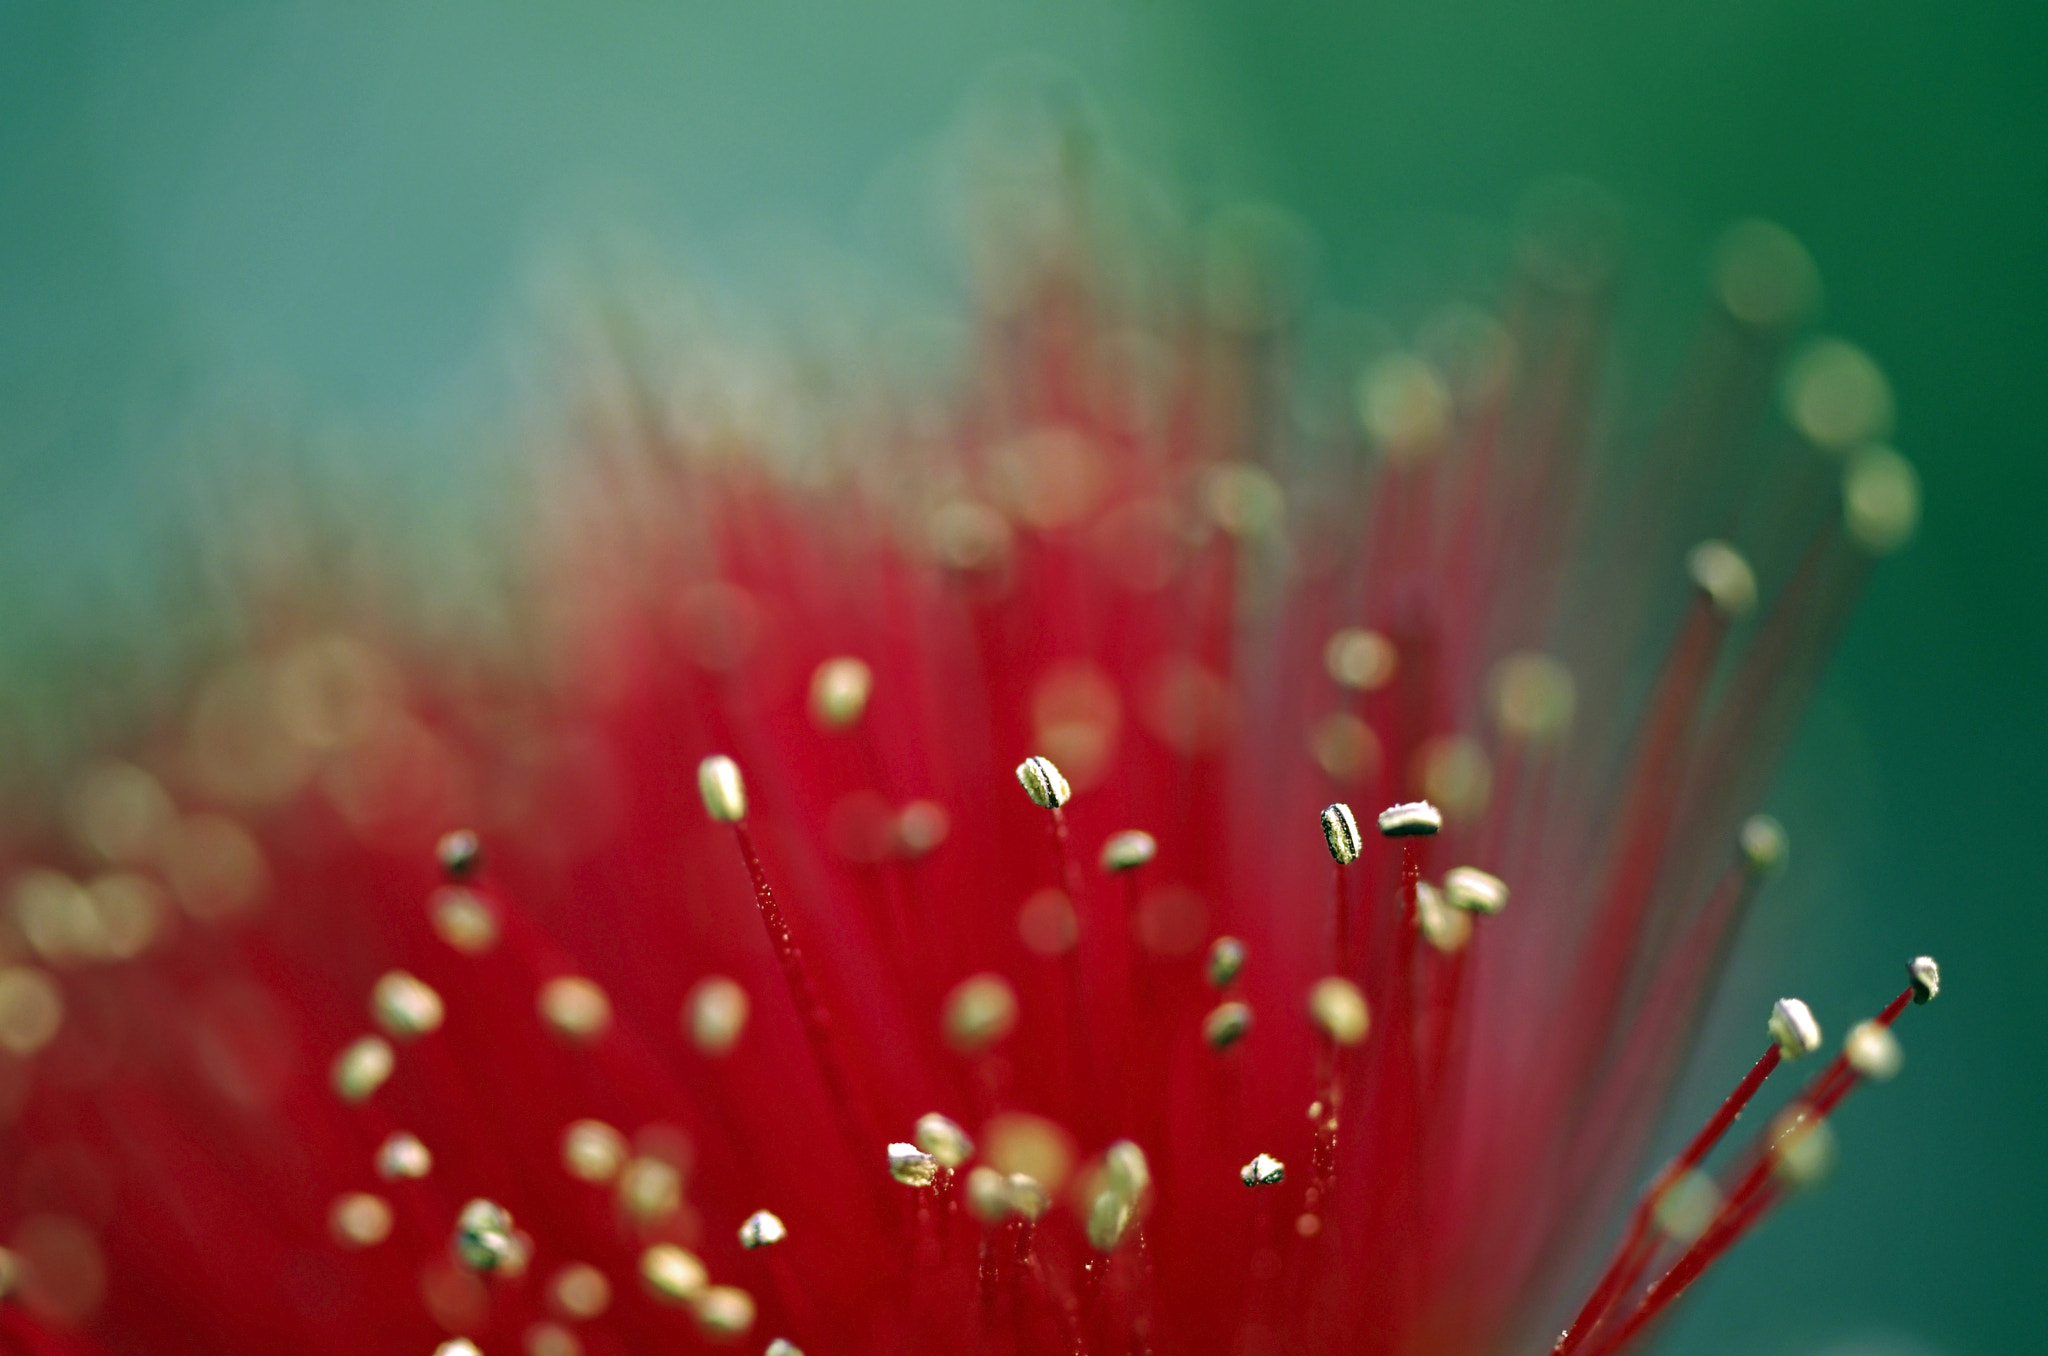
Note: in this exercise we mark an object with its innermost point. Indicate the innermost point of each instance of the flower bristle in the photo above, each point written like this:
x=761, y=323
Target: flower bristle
x=723, y=961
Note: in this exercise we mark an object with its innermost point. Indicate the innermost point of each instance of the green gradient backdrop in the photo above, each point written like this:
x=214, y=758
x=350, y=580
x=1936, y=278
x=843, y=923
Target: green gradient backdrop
x=340, y=201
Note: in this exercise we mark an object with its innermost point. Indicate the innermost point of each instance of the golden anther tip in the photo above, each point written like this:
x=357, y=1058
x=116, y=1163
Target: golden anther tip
x=1764, y=844
x=485, y=1239
x=1720, y=572
x=1874, y=1052
x=1359, y=659
x=840, y=689
x=1043, y=783
x=593, y=1151
x=943, y=1139
x=725, y=1313
x=575, y=1008
x=459, y=853
x=1474, y=891
x=1414, y=819
x=1793, y=1027
x=362, y=1068
x=1227, y=1024
x=715, y=1015
x=1338, y=1007
x=1340, y=833
x=1128, y=850
x=404, y=1006
x=762, y=1230
x=1226, y=962
x=981, y=1010
x=1264, y=1170
x=912, y=1166
x=401, y=1155
x=723, y=789
x=673, y=1275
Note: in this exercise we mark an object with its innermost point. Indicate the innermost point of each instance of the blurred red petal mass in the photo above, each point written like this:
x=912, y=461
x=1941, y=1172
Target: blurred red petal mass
x=271, y=1034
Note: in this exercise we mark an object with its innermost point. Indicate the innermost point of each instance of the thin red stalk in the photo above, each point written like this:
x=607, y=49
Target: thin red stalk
x=1650, y=798
x=1670, y=994
x=1393, y=1133
x=1340, y=922
x=811, y=1013
x=1329, y=1097
x=1695, y=1151
x=1753, y=1196
x=1082, y=1039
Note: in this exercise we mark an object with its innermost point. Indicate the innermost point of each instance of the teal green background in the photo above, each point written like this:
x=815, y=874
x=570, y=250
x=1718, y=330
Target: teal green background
x=337, y=206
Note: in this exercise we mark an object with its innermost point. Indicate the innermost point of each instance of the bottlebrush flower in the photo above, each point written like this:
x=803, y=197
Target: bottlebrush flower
x=668, y=954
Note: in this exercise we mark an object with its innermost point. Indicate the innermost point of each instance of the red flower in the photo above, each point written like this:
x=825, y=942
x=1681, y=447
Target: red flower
x=1128, y=1059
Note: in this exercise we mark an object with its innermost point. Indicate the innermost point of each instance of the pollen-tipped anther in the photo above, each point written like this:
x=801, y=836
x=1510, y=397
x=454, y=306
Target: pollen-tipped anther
x=839, y=692
x=1721, y=573
x=1359, y=659
x=981, y=1010
x=1226, y=962
x=943, y=1139
x=1837, y=396
x=1534, y=696
x=724, y=1313
x=579, y=1291
x=1763, y=275
x=1880, y=500
x=1119, y=1196
x=459, y=853
x=593, y=1151
x=912, y=1166
x=401, y=1155
x=1340, y=832
x=359, y=1220
x=723, y=789
x=1043, y=783
x=650, y=1189
x=1443, y=927
x=458, y=1346
x=1226, y=1025
x=1028, y=1196
x=1802, y=1147
x=715, y=1015
x=1873, y=1051
x=1128, y=850
x=1764, y=844
x=1109, y=1218
x=673, y=1275
x=1338, y=1008
x=1414, y=819
x=575, y=1008
x=362, y=1068
x=1793, y=1027
x=485, y=1239
x=1127, y=1169
x=404, y=1006
x=1686, y=1207
x=1475, y=891
x=782, y=1346
x=1926, y=978
x=31, y=1009
x=762, y=1229
x=1264, y=1170
x=988, y=1195
x=462, y=919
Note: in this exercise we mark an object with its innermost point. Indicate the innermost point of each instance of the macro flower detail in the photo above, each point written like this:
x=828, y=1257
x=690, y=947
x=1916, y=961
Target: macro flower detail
x=665, y=959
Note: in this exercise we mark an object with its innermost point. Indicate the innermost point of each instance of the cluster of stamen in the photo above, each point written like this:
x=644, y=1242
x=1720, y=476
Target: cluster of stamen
x=1134, y=1055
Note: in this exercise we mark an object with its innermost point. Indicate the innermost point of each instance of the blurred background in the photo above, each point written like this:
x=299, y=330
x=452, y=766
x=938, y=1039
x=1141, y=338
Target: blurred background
x=337, y=211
